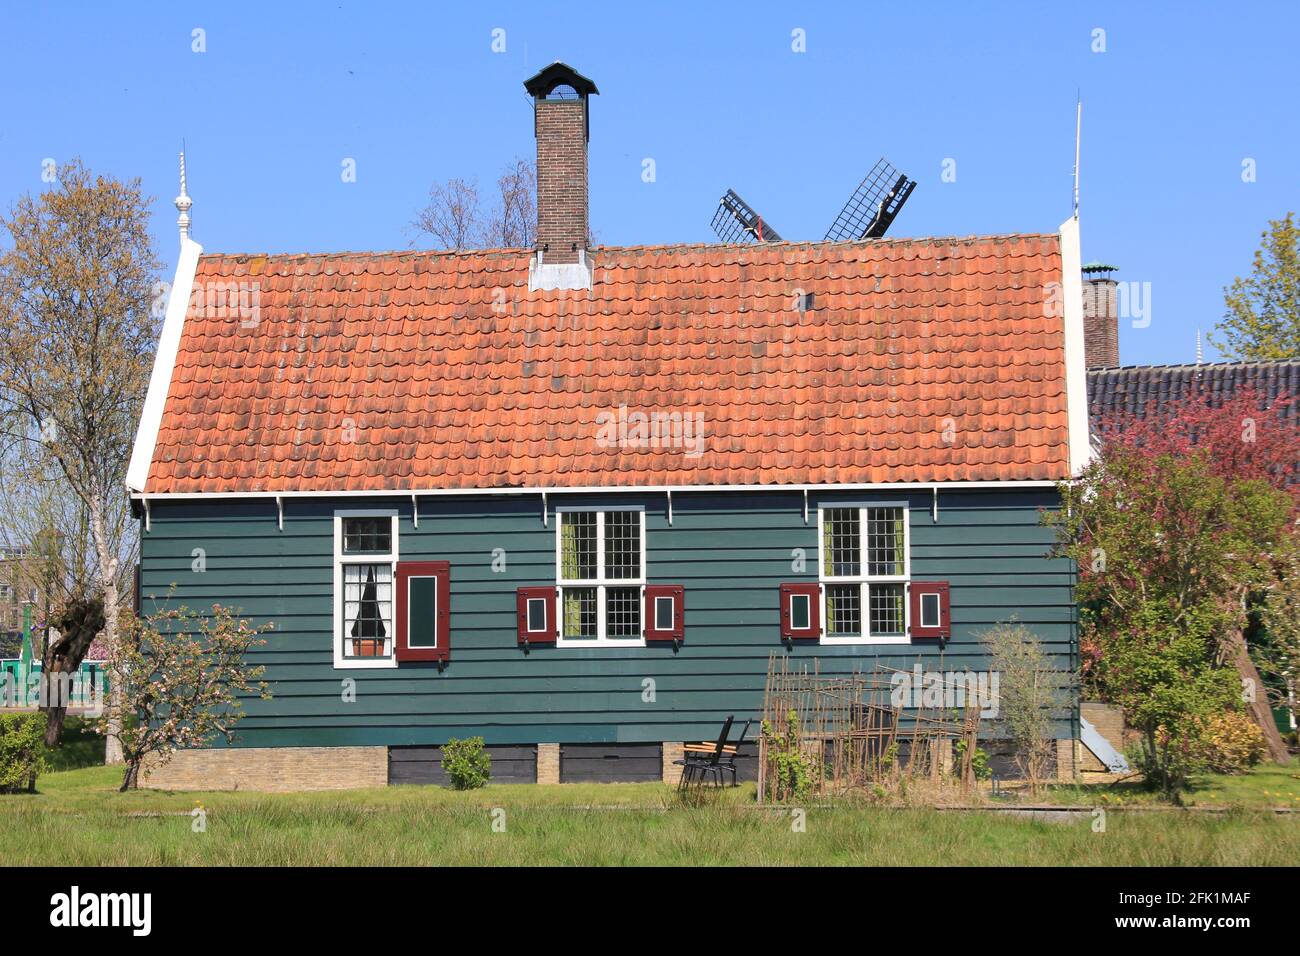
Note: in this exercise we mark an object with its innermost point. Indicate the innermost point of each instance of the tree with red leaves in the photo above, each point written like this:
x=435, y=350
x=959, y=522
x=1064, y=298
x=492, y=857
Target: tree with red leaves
x=1245, y=435
x=1176, y=527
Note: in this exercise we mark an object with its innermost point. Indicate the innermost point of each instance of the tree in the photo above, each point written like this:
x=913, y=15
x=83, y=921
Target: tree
x=513, y=223
x=1168, y=552
x=49, y=531
x=1030, y=696
x=1244, y=434
x=456, y=218
x=1262, y=321
x=452, y=215
x=187, y=672
x=1278, y=647
x=76, y=348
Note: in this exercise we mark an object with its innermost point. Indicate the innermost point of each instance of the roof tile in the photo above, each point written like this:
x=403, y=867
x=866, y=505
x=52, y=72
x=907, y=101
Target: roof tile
x=421, y=371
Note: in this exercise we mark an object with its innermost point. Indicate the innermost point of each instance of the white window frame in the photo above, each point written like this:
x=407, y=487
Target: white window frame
x=340, y=559
x=931, y=597
x=807, y=603
x=528, y=616
x=864, y=580
x=600, y=582
x=672, y=612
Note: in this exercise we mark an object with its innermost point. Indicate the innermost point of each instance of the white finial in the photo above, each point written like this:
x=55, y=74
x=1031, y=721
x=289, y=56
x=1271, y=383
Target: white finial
x=183, y=203
x=1199, y=357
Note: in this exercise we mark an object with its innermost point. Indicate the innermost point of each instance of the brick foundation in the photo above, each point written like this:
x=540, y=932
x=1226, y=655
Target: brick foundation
x=1066, y=759
x=672, y=751
x=271, y=769
x=548, y=763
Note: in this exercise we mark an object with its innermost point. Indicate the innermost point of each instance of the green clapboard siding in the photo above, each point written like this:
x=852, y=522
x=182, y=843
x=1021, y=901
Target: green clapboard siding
x=731, y=551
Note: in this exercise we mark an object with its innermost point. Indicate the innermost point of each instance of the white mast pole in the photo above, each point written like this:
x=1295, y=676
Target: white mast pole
x=1078, y=130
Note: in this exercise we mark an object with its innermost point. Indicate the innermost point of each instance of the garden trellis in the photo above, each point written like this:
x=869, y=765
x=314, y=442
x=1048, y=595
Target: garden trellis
x=857, y=735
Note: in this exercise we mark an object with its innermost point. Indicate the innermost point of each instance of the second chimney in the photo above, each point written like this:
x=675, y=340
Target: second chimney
x=1100, y=316
x=561, y=123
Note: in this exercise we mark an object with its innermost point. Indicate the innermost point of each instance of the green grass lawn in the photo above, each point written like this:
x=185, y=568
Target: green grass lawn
x=1268, y=785
x=78, y=818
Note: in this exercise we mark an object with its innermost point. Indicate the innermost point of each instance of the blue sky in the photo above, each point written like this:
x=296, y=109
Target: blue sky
x=714, y=94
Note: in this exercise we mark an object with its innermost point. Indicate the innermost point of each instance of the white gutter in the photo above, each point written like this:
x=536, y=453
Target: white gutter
x=602, y=489
x=146, y=436
x=1076, y=368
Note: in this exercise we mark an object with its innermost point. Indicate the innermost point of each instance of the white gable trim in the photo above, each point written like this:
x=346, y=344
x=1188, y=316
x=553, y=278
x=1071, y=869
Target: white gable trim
x=164, y=363
x=1076, y=368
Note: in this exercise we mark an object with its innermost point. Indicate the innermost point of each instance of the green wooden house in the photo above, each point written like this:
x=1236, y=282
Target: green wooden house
x=572, y=498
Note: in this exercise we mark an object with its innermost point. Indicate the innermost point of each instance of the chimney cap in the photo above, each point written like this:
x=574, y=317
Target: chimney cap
x=1096, y=266
x=542, y=83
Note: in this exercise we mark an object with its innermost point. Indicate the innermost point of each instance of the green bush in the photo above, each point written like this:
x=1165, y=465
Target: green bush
x=466, y=763
x=979, y=761
x=22, y=751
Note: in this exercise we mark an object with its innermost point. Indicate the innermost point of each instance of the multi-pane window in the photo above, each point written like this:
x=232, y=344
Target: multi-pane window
x=365, y=561
x=601, y=569
x=864, y=570
x=368, y=535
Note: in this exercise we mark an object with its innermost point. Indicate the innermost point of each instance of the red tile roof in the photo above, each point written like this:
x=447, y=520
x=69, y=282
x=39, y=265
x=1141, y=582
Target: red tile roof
x=421, y=370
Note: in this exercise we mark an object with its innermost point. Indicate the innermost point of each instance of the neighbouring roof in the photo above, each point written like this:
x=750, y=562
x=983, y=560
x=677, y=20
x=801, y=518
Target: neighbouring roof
x=1141, y=389
x=923, y=360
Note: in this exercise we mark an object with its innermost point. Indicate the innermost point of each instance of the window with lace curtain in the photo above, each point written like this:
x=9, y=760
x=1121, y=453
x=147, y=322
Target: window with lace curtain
x=365, y=559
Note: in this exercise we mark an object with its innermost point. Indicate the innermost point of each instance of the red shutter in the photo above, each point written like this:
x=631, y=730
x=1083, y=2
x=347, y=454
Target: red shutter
x=677, y=594
x=921, y=632
x=522, y=597
x=431, y=634
x=813, y=630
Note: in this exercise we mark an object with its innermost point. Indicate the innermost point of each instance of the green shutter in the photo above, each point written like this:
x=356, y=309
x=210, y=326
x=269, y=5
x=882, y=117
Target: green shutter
x=423, y=611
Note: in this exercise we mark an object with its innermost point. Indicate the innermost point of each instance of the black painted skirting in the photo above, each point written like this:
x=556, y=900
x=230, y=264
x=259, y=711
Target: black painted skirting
x=510, y=764
x=610, y=763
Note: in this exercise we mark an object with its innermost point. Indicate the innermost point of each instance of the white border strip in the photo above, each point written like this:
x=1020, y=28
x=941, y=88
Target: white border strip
x=160, y=380
x=598, y=489
x=1076, y=368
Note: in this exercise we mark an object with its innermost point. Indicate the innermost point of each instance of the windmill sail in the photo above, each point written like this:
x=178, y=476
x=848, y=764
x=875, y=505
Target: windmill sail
x=874, y=204
x=737, y=221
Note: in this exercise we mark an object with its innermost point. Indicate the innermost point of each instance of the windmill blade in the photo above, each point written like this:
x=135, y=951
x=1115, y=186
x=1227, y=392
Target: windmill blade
x=737, y=221
x=874, y=204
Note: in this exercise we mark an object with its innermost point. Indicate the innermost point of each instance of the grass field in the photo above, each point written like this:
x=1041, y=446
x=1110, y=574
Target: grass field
x=78, y=818
x=1268, y=785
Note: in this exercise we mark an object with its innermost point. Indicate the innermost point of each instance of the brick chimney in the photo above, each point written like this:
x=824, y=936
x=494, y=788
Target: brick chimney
x=560, y=122
x=1100, y=315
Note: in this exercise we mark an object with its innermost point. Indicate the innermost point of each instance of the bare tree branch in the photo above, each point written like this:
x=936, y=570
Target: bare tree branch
x=452, y=216
x=457, y=219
